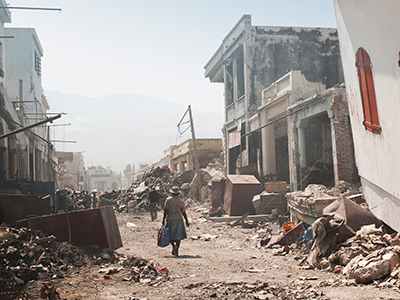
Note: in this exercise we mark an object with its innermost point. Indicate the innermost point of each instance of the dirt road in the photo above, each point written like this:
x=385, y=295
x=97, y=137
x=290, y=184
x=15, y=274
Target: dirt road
x=227, y=263
x=216, y=261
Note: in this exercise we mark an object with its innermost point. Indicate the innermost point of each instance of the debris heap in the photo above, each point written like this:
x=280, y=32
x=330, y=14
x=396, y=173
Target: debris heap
x=162, y=179
x=31, y=255
x=346, y=238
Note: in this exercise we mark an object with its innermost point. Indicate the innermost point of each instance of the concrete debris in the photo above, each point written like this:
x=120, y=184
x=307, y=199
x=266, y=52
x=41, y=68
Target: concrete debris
x=162, y=179
x=346, y=239
x=308, y=205
x=31, y=255
x=369, y=256
x=375, y=266
x=299, y=289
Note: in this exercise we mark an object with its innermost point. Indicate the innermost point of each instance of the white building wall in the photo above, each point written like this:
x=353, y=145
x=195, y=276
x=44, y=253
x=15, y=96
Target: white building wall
x=20, y=65
x=374, y=25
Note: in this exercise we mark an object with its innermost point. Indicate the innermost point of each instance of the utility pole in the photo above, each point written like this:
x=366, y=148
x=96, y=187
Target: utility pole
x=196, y=158
x=49, y=147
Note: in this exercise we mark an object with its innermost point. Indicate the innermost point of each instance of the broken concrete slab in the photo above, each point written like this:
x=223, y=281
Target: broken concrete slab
x=376, y=269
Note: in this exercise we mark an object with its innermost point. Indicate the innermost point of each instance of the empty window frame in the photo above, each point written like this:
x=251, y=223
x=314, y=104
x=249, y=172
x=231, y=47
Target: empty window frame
x=367, y=88
x=229, y=84
x=234, y=78
x=240, y=76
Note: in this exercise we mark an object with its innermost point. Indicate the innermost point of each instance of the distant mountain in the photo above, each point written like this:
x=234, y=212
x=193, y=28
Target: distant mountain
x=119, y=129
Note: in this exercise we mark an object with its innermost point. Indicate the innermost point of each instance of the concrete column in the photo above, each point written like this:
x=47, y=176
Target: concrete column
x=301, y=132
x=292, y=154
x=334, y=151
x=181, y=167
x=269, y=157
x=226, y=149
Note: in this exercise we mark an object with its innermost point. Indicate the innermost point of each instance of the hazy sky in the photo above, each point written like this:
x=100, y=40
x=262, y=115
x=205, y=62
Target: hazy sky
x=155, y=48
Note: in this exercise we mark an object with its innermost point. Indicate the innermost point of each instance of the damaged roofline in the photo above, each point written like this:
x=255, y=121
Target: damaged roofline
x=311, y=99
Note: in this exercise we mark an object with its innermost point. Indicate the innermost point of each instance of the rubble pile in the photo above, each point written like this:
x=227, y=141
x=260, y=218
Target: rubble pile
x=298, y=289
x=143, y=271
x=28, y=252
x=136, y=197
x=316, y=197
x=31, y=255
x=162, y=179
x=213, y=171
x=341, y=242
x=368, y=256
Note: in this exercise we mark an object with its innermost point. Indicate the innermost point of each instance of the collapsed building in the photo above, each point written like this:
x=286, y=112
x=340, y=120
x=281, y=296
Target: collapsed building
x=250, y=59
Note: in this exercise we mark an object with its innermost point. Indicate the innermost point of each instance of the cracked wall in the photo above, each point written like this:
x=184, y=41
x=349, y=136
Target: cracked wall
x=274, y=51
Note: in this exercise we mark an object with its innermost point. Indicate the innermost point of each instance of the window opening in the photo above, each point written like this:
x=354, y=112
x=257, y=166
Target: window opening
x=240, y=76
x=229, y=85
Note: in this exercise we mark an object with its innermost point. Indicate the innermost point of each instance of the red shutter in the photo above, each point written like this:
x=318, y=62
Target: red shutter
x=370, y=108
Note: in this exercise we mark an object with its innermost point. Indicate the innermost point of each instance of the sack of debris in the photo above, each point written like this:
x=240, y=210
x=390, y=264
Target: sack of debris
x=163, y=237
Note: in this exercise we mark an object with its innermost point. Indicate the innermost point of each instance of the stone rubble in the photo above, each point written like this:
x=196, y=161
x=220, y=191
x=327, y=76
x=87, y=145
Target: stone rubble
x=31, y=255
x=163, y=179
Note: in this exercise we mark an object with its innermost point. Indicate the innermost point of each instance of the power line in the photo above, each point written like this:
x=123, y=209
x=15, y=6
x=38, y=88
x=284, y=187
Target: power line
x=30, y=8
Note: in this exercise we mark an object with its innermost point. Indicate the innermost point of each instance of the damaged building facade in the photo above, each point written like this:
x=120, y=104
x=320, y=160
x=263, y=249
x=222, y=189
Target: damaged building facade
x=183, y=155
x=372, y=72
x=306, y=132
x=180, y=158
x=26, y=156
x=72, y=171
x=249, y=60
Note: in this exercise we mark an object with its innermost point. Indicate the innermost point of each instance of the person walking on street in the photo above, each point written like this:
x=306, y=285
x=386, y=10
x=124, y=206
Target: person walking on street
x=154, y=198
x=174, y=209
x=94, y=199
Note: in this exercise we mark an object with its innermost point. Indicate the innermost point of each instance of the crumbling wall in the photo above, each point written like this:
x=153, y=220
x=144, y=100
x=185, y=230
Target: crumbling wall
x=274, y=51
x=344, y=166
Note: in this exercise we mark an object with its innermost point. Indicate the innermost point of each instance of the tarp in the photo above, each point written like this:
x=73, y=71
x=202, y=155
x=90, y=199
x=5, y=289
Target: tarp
x=353, y=215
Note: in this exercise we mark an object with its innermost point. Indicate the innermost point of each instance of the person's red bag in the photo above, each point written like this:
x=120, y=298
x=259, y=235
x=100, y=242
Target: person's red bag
x=163, y=237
